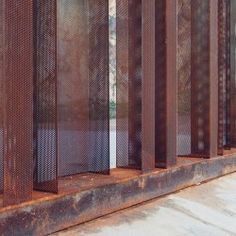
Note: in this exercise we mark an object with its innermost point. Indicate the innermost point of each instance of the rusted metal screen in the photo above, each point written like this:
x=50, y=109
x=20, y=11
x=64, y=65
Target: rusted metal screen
x=83, y=86
x=146, y=84
x=198, y=119
x=224, y=76
x=1, y=90
x=165, y=94
x=233, y=73
x=45, y=96
x=184, y=78
x=129, y=83
x=18, y=99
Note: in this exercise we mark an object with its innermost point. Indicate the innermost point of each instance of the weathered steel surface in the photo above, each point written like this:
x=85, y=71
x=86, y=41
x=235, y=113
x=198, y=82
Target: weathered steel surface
x=54, y=212
x=18, y=100
x=129, y=83
x=204, y=78
x=222, y=70
x=166, y=90
x=233, y=73
x=148, y=85
x=45, y=96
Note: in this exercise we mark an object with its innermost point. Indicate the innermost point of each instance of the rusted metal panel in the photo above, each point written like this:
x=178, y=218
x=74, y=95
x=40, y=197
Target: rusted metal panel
x=1, y=90
x=45, y=96
x=221, y=72
x=232, y=73
x=166, y=83
x=122, y=83
x=99, y=86
x=184, y=78
x=204, y=69
x=224, y=124
x=129, y=83
x=18, y=100
x=148, y=84
x=83, y=86
x=228, y=77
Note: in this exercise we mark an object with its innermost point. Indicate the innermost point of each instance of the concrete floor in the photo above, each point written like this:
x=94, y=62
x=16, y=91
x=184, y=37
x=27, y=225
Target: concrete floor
x=203, y=210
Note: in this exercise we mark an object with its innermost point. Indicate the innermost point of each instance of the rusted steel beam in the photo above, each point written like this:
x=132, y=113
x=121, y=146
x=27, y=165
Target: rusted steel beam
x=166, y=83
x=204, y=89
x=129, y=83
x=148, y=85
x=18, y=100
x=1, y=90
x=228, y=78
x=232, y=73
x=222, y=71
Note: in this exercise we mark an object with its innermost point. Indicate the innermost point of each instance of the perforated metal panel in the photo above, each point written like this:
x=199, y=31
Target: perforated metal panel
x=1, y=90
x=18, y=100
x=166, y=83
x=232, y=73
x=129, y=83
x=184, y=78
x=197, y=71
x=83, y=86
x=223, y=82
x=45, y=96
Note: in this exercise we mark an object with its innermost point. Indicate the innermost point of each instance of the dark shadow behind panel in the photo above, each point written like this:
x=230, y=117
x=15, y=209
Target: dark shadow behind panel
x=129, y=83
x=83, y=86
x=18, y=100
x=45, y=99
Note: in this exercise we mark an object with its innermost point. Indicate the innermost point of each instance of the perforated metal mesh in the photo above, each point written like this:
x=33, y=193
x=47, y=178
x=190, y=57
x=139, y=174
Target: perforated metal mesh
x=45, y=96
x=184, y=78
x=129, y=83
x=161, y=83
x=18, y=100
x=223, y=75
x=83, y=86
x=233, y=73
x=1, y=90
x=200, y=78
x=194, y=78
x=227, y=111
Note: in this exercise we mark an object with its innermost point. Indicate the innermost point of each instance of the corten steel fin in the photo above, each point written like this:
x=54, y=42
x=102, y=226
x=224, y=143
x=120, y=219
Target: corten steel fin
x=232, y=73
x=148, y=84
x=129, y=83
x=83, y=86
x=222, y=71
x=227, y=110
x=45, y=96
x=204, y=78
x=224, y=137
x=1, y=91
x=18, y=100
x=166, y=83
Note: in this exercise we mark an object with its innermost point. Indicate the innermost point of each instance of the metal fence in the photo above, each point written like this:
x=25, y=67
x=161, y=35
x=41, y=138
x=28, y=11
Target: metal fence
x=175, y=87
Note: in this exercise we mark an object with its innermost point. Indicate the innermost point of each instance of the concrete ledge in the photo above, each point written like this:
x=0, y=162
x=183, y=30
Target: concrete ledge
x=52, y=213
